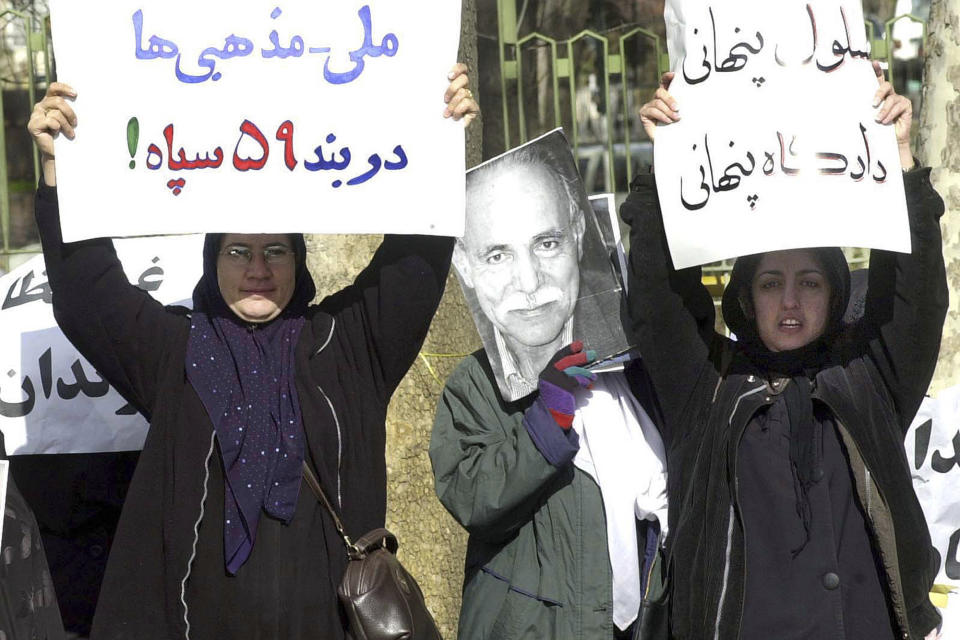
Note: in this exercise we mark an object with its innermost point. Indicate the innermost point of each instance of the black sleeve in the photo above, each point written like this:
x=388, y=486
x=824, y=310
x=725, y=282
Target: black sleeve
x=392, y=302
x=671, y=312
x=119, y=328
x=907, y=299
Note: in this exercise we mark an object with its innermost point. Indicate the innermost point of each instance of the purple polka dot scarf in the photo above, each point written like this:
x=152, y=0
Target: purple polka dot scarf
x=244, y=376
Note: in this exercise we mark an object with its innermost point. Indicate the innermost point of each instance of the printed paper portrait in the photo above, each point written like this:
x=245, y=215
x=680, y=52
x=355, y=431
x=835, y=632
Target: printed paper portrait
x=533, y=266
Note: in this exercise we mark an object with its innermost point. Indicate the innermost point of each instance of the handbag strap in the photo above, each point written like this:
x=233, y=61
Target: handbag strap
x=353, y=551
x=378, y=539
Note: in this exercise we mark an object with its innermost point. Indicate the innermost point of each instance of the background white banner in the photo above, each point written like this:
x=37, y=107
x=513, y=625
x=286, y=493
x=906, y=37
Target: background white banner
x=777, y=146
x=933, y=451
x=51, y=399
x=314, y=116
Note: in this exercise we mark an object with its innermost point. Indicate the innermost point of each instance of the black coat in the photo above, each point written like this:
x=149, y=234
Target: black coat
x=353, y=351
x=709, y=391
x=28, y=604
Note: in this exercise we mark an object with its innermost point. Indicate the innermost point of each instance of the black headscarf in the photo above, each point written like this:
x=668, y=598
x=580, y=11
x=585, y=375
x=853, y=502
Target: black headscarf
x=244, y=375
x=800, y=365
x=738, y=302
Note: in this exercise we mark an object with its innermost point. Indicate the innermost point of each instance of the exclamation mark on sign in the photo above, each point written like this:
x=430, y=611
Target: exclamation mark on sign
x=133, y=138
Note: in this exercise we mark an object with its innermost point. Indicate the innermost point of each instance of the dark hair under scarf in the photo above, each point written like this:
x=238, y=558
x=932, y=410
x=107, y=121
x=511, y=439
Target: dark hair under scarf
x=801, y=365
x=739, y=294
x=244, y=375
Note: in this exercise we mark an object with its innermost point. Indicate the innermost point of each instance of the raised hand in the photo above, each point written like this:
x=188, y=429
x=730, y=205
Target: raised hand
x=52, y=116
x=459, y=98
x=662, y=108
x=561, y=377
x=892, y=108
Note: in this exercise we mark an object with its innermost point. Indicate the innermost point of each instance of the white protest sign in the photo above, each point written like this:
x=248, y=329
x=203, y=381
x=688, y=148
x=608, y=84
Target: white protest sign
x=933, y=450
x=320, y=117
x=777, y=146
x=51, y=399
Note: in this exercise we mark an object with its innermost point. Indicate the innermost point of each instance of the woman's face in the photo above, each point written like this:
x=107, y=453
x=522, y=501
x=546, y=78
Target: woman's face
x=791, y=299
x=256, y=274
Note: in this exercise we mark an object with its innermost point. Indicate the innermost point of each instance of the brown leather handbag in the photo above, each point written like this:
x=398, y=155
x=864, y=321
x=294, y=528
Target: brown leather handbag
x=381, y=599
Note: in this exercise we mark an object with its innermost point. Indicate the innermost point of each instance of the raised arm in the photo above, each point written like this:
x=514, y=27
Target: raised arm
x=671, y=312
x=395, y=297
x=907, y=295
x=392, y=302
x=907, y=299
x=120, y=329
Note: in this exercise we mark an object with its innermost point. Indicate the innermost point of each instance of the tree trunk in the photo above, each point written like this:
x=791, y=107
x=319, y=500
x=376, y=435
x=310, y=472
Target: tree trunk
x=432, y=544
x=939, y=147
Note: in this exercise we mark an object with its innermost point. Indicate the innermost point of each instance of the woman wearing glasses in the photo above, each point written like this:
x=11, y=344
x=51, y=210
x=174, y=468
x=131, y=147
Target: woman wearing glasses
x=216, y=539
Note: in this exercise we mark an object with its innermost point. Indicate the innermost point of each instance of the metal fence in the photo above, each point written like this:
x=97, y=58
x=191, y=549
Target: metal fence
x=26, y=44
x=543, y=86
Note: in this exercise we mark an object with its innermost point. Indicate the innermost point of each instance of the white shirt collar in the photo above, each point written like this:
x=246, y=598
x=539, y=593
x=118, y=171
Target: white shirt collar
x=517, y=385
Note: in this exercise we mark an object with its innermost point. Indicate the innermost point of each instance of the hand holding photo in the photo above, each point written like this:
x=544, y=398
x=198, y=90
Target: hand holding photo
x=533, y=266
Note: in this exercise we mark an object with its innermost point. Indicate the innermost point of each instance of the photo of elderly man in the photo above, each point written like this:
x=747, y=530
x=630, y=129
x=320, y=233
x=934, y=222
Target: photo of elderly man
x=532, y=264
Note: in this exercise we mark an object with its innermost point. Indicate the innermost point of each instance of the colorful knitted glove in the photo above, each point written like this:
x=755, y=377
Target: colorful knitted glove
x=560, y=378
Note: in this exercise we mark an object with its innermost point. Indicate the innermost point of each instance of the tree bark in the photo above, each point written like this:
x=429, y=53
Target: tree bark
x=432, y=544
x=939, y=147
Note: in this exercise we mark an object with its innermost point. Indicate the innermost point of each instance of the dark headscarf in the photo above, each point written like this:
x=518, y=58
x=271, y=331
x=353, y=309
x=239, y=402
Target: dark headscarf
x=244, y=375
x=800, y=365
x=738, y=298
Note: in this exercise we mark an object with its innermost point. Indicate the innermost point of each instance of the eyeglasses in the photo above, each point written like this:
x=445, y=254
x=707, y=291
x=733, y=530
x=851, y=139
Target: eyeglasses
x=274, y=255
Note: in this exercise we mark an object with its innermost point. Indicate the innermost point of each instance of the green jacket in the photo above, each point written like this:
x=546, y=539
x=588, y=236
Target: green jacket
x=537, y=564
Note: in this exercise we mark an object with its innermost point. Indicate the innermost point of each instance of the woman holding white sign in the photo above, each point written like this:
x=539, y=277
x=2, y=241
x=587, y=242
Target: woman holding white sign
x=217, y=537
x=792, y=513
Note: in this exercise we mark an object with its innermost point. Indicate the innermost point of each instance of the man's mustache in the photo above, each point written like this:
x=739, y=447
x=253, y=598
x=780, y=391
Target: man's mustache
x=518, y=301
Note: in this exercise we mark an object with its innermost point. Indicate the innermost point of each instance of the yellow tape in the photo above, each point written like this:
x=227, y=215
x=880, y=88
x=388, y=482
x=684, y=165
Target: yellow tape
x=444, y=355
x=939, y=595
x=424, y=355
x=433, y=373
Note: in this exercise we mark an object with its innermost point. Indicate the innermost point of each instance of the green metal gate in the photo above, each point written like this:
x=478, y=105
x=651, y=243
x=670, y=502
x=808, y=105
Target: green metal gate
x=38, y=63
x=628, y=63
